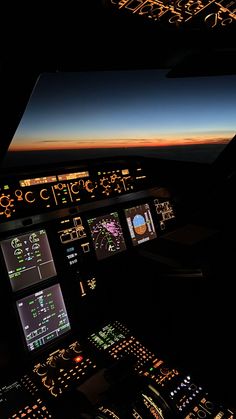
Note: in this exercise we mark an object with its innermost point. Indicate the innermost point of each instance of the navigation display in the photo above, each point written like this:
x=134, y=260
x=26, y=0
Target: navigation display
x=28, y=259
x=43, y=317
x=140, y=223
x=107, y=235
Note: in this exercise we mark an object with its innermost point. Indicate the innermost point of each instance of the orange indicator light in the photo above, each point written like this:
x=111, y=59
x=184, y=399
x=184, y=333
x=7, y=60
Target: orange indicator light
x=78, y=359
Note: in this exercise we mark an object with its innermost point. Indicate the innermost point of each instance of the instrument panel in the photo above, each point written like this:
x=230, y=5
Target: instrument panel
x=47, y=241
x=75, y=239
x=122, y=378
x=51, y=272
x=107, y=235
x=42, y=193
x=46, y=248
x=80, y=215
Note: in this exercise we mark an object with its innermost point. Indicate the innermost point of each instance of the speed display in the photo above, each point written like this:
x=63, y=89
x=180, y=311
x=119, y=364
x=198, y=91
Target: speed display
x=107, y=235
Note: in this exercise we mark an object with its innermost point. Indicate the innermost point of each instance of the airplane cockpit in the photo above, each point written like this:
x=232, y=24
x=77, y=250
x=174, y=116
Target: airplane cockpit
x=116, y=230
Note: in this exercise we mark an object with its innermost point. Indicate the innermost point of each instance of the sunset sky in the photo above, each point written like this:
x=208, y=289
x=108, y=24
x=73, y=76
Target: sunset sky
x=126, y=109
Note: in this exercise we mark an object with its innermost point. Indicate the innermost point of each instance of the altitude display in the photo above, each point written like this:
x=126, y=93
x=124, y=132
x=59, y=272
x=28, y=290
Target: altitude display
x=140, y=223
x=43, y=317
x=28, y=259
x=107, y=235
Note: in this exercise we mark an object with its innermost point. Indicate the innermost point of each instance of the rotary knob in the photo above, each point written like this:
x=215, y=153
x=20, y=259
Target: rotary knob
x=41, y=370
x=89, y=186
x=52, y=362
x=75, y=188
x=105, y=182
x=44, y=194
x=164, y=370
x=19, y=195
x=59, y=186
x=29, y=197
x=48, y=381
x=76, y=348
x=7, y=213
x=67, y=354
x=6, y=201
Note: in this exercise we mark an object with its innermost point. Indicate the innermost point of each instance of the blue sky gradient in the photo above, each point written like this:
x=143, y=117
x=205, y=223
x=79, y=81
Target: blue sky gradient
x=102, y=109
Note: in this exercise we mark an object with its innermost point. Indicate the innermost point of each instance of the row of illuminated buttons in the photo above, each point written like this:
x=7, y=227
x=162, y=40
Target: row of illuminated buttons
x=29, y=385
x=37, y=410
x=56, y=386
x=190, y=390
x=73, y=373
x=121, y=327
x=132, y=347
x=205, y=409
x=162, y=376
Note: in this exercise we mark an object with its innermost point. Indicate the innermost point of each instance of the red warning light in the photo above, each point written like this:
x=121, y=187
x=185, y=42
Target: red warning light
x=78, y=359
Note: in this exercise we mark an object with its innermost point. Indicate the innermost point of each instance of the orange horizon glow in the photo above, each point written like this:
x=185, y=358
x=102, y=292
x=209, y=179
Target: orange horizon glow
x=129, y=143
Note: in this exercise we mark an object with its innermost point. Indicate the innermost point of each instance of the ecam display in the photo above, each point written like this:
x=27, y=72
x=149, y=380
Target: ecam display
x=28, y=259
x=43, y=316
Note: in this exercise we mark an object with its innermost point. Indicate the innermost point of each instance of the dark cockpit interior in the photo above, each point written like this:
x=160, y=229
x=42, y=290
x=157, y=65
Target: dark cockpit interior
x=117, y=211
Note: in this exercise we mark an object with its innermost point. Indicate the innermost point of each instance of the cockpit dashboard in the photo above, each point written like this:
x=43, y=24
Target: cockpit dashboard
x=76, y=243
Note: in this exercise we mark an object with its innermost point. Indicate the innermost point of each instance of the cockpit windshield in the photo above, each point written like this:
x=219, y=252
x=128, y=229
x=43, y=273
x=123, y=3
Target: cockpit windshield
x=73, y=116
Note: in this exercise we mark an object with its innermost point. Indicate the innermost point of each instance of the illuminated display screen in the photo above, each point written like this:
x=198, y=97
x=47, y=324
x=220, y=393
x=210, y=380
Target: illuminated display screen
x=107, y=235
x=106, y=337
x=43, y=317
x=140, y=223
x=28, y=259
x=37, y=181
x=70, y=176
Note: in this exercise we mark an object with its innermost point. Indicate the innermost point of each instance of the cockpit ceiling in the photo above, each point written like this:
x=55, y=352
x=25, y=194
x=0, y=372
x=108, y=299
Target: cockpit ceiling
x=196, y=14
